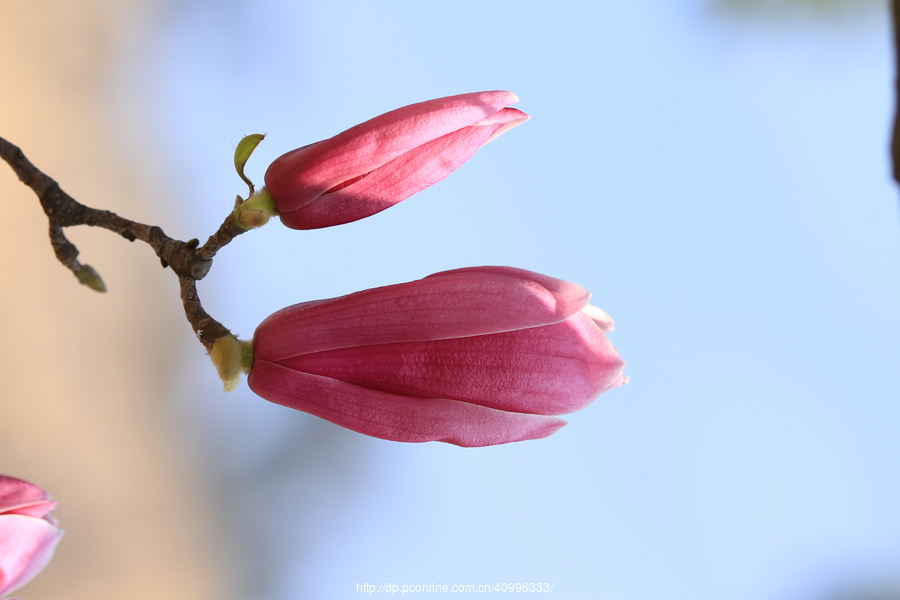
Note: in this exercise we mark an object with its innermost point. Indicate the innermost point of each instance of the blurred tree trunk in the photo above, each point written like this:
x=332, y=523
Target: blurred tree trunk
x=83, y=400
x=895, y=138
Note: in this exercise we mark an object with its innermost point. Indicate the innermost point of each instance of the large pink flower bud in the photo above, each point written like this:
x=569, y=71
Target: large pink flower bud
x=376, y=164
x=27, y=535
x=472, y=357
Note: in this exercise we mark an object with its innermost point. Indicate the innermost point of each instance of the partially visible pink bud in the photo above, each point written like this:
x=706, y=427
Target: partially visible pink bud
x=27, y=535
x=376, y=164
x=472, y=357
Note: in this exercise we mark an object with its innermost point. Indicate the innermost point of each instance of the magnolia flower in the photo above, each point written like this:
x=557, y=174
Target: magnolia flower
x=376, y=164
x=472, y=357
x=27, y=535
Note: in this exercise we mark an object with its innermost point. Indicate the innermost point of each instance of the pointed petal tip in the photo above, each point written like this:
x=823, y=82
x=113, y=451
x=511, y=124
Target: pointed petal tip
x=599, y=317
x=620, y=381
x=571, y=298
x=514, y=121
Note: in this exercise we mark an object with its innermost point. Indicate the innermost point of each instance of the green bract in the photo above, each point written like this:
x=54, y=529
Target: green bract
x=242, y=153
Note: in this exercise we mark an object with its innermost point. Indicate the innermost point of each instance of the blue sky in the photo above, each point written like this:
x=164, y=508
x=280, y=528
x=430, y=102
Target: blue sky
x=719, y=183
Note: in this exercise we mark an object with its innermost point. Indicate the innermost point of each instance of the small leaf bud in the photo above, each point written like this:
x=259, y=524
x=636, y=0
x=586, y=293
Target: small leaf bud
x=88, y=276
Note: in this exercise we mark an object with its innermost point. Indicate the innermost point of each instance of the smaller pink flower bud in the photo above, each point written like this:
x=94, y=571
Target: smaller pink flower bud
x=473, y=357
x=376, y=164
x=27, y=535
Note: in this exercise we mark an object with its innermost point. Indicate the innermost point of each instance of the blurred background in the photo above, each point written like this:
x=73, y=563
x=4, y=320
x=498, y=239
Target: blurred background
x=714, y=171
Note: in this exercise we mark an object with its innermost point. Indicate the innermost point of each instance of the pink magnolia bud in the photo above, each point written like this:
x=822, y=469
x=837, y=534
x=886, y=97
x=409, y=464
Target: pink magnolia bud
x=376, y=164
x=472, y=357
x=27, y=535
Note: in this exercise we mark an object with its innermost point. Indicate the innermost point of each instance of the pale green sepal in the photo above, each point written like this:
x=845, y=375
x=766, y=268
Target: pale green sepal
x=246, y=355
x=226, y=356
x=243, y=151
x=262, y=200
x=88, y=276
x=255, y=211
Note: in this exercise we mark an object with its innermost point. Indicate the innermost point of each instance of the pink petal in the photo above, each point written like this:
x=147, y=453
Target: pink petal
x=508, y=117
x=393, y=417
x=550, y=370
x=450, y=304
x=558, y=287
x=15, y=493
x=603, y=320
x=39, y=509
x=27, y=545
x=620, y=381
x=298, y=177
x=399, y=179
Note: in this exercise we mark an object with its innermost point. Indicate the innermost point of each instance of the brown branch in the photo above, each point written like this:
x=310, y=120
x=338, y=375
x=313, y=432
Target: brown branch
x=185, y=259
x=208, y=330
x=228, y=230
x=64, y=211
